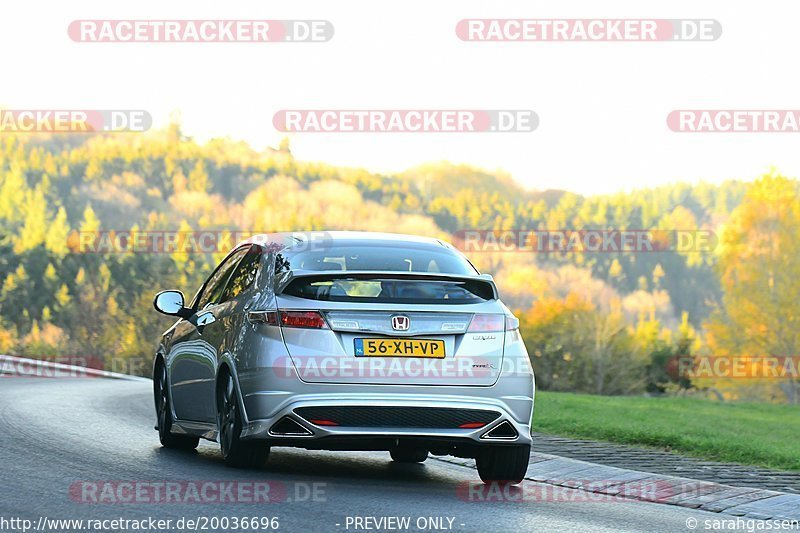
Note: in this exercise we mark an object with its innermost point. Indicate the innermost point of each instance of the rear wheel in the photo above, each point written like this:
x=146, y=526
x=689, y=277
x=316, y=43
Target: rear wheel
x=503, y=464
x=237, y=453
x=164, y=413
x=408, y=455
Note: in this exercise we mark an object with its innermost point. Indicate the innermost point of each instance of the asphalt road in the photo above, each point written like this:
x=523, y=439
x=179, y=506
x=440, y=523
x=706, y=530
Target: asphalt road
x=60, y=436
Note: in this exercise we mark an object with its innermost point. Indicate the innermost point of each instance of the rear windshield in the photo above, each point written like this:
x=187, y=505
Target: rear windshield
x=390, y=290
x=378, y=257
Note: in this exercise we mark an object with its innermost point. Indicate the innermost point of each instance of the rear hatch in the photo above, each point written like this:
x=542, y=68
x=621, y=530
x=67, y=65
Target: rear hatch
x=397, y=328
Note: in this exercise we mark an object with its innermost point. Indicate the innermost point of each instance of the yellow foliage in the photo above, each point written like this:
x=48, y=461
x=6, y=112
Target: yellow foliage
x=8, y=340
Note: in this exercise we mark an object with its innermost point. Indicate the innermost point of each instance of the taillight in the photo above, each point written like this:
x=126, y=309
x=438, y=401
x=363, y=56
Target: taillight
x=512, y=323
x=302, y=319
x=486, y=323
x=483, y=323
x=269, y=318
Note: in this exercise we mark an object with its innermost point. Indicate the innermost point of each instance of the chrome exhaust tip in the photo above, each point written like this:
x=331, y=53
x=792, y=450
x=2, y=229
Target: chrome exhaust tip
x=502, y=431
x=289, y=427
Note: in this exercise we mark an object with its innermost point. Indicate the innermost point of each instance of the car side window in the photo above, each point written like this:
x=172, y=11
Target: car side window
x=243, y=277
x=216, y=283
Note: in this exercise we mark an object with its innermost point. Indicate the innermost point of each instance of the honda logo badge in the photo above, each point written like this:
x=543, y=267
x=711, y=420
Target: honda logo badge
x=401, y=323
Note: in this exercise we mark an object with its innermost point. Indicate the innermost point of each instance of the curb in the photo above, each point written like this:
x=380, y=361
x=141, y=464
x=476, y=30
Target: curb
x=684, y=492
x=21, y=367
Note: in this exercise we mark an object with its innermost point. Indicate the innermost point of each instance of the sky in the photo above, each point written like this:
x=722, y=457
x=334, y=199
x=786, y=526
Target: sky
x=602, y=106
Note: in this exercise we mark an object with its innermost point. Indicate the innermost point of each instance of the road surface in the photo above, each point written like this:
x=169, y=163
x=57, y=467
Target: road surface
x=68, y=443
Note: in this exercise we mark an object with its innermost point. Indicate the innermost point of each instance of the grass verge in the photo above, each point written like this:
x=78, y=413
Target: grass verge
x=746, y=433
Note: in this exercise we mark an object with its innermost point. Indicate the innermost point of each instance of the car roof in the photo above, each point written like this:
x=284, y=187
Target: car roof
x=301, y=239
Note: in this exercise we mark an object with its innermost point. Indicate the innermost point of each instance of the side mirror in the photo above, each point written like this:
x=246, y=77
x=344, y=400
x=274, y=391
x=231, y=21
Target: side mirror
x=171, y=303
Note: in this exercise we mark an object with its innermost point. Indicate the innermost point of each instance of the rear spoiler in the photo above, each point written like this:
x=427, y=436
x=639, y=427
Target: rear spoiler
x=286, y=278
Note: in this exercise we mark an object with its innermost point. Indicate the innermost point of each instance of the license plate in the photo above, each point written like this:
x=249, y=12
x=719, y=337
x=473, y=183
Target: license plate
x=399, y=348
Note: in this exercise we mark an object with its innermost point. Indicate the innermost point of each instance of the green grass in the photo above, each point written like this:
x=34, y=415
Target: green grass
x=746, y=433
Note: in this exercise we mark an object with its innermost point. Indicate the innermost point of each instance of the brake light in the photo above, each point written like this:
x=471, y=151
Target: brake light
x=302, y=319
x=512, y=323
x=482, y=323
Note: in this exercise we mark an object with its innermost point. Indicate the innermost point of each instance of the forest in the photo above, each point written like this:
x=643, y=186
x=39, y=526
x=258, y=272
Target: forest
x=600, y=322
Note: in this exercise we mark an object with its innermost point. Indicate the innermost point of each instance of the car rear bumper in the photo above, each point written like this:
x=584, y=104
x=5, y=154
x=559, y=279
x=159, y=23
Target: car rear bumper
x=371, y=416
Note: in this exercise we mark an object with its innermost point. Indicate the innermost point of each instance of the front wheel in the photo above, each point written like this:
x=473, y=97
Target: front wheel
x=237, y=453
x=503, y=464
x=164, y=413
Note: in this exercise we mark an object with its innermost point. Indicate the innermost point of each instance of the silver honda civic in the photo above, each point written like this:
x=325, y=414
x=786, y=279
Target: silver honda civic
x=346, y=341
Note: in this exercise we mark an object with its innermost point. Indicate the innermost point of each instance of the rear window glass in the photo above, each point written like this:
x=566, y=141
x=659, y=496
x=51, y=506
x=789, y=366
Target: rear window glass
x=383, y=258
x=390, y=290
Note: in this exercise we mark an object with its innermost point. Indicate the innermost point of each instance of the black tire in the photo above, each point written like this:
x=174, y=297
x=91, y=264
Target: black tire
x=237, y=453
x=503, y=464
x=164, y=415
x=408, y=455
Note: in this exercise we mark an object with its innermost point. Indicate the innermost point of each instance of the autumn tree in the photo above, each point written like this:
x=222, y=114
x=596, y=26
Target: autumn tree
x=759, y=268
